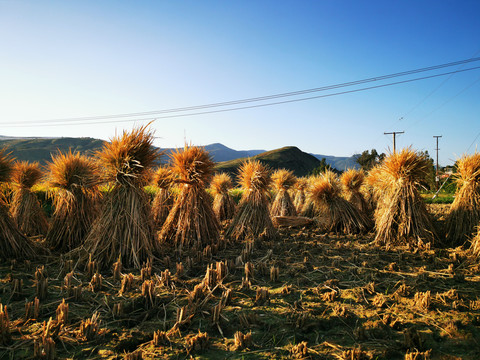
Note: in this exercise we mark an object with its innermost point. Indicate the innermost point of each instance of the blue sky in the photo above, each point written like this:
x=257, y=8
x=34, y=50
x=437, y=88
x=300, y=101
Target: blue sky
x=68, y=59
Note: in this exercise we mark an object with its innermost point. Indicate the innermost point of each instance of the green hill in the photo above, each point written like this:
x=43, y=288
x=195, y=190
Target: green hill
x=289, y=157
x=40, y=149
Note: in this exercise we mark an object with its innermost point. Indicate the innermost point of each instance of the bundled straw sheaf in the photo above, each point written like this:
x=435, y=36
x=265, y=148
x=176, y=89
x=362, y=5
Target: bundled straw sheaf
x=191, y=223
x=325, y=194
x=125, y=228
x=282, y=181
x=163, y=200
x=25, y=207
x=13, y=243
x=401, y=217
x=300, y=186
x=223, y=203
x=252, y=218
x=73, y=182
x=352, y=181
x=464, y=215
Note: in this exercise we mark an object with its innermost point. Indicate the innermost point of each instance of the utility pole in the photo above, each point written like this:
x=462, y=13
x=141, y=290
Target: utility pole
x=437, y=180
x=394, y=133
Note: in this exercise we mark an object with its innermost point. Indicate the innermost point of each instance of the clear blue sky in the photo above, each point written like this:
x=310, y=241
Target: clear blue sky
x=67, y=59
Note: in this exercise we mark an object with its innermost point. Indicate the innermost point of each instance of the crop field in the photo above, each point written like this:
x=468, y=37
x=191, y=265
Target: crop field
x=306, y=295
x=113, y=257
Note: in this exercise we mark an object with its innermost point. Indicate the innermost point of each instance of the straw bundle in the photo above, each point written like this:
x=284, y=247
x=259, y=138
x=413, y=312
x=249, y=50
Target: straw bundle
x=125, y=227
x=252, y=218
x=325, y=193
x=13, y=244
x=73, y=183
x=191, y=223
x=300, y=186
x=223, y=203
x=25, y=207
x=401, y=217
x=464, y=213
x=282, y=181
x=163, y=201
x=352, y=181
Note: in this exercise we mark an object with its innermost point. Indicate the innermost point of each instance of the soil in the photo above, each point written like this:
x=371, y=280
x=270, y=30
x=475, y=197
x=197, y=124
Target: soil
x=306, y=295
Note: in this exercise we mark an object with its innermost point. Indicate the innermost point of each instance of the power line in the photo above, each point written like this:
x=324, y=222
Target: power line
x=256, y=99
x=240, y=108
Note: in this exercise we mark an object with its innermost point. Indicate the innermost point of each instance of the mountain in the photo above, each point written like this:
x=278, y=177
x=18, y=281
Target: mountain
x=40, y=149
x=289, y=157
x=220, y=152
x=341, y=163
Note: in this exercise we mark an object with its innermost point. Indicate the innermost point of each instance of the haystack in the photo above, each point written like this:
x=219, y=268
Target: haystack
x=191, y=223
x=300, y=187
x=252, y=219
x=352, y=181
x=343, y=216
x=25, y=207
x=73, y=184
x=13, y=244
x=163, y=200
x=283, y=180
x=223, y=203
x=464, y=215
x=124, y=227
x=401, y=217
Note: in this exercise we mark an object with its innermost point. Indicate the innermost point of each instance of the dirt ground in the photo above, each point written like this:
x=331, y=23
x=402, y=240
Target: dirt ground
x=305, y=295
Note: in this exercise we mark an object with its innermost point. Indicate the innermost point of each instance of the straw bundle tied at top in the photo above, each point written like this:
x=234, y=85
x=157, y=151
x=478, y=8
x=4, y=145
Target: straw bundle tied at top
x=191, y=223
x=25, y=207
x=126, y=212
x=163, y=200
x=300, y=186
x=282, y=181
x=352, y=181
x=325, y=193
x=73, y=182
x=13, y=244
x=223, y=203
x=401, y=217
x=252, y=218
x=464, y=215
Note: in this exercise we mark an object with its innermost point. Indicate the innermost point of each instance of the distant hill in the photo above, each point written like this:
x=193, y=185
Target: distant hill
x=40, y=149
x=289, y=157
x=220, y=152
x=341, y=163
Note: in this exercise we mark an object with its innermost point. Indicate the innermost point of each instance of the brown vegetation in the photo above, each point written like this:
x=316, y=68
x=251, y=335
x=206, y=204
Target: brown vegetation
x=223, y=203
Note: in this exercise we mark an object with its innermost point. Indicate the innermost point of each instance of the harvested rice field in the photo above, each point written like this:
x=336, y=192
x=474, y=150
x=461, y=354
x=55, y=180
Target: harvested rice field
x=308, y=294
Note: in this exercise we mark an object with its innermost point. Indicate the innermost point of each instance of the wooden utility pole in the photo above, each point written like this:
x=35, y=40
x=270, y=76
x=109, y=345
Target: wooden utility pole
x=437, y=180
x=394, y=133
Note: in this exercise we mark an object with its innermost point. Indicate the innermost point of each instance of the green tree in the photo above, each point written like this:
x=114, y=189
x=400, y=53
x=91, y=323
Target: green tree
x=322, y=167
x=369, y=159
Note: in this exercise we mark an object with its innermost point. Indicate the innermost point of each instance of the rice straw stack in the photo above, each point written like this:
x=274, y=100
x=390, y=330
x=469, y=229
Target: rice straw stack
x=223, y=203
x=300, y=187
x=283, y=180
x=124, y=227
x=464, y=215
x=325, y=193
x=191, y=224
x=73, y=183
x=163, y=200
x=352, y=181
x=401, y=217
x=252, y=218
x=25, y=207
x=13, y=243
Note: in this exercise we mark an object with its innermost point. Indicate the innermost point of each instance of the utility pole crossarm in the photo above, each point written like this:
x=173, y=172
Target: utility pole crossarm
x=394, y=133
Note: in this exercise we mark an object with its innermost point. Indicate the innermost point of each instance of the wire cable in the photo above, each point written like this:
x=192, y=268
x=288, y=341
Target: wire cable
x=255, y=99
x=246, y=107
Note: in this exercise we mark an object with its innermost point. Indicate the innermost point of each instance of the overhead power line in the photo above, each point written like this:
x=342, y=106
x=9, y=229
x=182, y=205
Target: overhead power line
x=87, y=120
